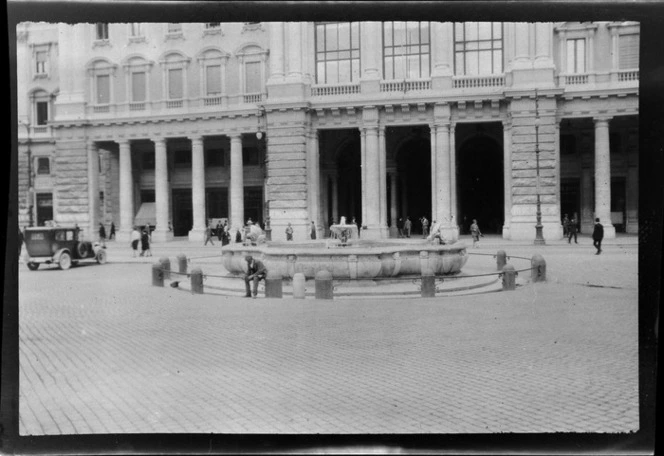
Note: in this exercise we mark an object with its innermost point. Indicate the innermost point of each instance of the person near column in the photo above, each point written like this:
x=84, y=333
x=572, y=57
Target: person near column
x=208, y=234
x=102, y=234
x=475, y=233
x=598, y=235
x=111, y=235
x=400, y=226
x=289, y=232
x=145, y=242
x=225, y=235
x=565, y=225
x=220, y=232
x=571, y=231
x=134, y=240
x=425, y=227
x=313, y=230
x=407, y=226
x=255, y=272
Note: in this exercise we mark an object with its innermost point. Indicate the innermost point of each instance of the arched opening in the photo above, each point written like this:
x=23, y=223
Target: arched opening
x=480, y=184
x=414, y=169
x=349, y=182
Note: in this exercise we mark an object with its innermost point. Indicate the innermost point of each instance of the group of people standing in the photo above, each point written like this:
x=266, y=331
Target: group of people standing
x=143, y=236
x=222, y=231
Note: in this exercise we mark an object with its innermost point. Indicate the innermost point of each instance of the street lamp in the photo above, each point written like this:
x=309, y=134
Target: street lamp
x=539, y=239
x=30, y=197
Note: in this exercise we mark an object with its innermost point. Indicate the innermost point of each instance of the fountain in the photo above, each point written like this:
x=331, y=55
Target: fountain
x=358, y=259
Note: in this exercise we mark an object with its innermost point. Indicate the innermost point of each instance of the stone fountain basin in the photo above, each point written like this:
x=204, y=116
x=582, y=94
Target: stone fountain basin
x=361, y=259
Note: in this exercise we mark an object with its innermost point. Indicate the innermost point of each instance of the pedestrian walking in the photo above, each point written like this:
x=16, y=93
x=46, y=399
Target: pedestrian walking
x=111, y=235
x=220, y=232
x=255, y=272
x=208, y=234
x=289, y=232
x=571, y=231
x=145, y=242
x=598, y=235
x=565, y=225
x=313, y=230
x=475, y=233
x=407, y=226
x=102, y=235
x=425, y=227
x=134, y=240
x=400, y=226
x=225, y=235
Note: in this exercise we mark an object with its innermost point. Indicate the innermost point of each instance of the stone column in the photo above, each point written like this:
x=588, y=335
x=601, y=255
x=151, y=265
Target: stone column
x=443, y=174
x=237, y=185
x=453, y=171
x=556, y=143
x=382, y=180
x=363, y=171
x=126, y=192
x=161, y=232
x=276, y=50
x=370, y=55
x=603, y=176
x=93, y=190
x=434, y=176
x=325, y=201
x=442, y=43
x=313, y=174
x=335, y=199
x=393, y=205
x=507, y=177
x=543, y=49
x=294, y=50
x=522, y=46
x=197, y=232
x=371, y=186
x=585, y=212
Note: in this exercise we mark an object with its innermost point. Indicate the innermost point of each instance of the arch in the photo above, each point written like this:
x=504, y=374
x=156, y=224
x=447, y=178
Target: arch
x=211, y=52
x=251, y=48
x=100, y=63
x=38, y=91
x=173, y=56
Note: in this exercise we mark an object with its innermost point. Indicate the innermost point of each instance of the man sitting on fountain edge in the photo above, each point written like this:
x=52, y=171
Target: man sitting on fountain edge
x=255, y=272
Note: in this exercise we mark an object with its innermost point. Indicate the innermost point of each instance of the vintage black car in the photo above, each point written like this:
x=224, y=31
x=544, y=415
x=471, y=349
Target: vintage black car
x=61, y=246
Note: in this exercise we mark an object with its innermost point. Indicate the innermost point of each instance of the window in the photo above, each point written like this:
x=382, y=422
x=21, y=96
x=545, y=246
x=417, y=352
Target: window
x=138, y=86
x=576, y=55
x=250, y=156
x=102, y=31
x=214, y=157
x=137, y=71
x=406, y=50
x=135, y=29
x=103, y=86
x=182, y=158
x=628, y=52
x=252, y=74
x=41, y=108
x=175, y=91
x=147, y=160
x=41, y=58
x=213, y=79
x=478, y=48
x=174, y=77
x=43, y=165
x=337, y=52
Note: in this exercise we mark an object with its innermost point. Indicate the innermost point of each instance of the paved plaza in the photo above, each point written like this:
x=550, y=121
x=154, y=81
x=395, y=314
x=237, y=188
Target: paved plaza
x=102, y=351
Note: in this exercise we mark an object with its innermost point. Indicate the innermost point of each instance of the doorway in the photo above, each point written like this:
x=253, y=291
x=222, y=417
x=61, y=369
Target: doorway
x=182, y=212
x=414, y=170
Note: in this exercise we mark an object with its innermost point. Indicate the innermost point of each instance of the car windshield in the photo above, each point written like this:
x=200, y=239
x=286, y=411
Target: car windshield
x=59, y=235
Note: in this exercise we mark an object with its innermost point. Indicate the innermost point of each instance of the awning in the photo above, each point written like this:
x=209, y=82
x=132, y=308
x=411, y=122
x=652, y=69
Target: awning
x=146, y=215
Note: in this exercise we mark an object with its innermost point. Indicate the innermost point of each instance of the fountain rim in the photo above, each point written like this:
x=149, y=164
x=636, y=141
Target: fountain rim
x=298, y=248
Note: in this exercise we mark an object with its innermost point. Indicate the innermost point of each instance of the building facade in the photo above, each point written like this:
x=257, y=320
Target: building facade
x=177, y=124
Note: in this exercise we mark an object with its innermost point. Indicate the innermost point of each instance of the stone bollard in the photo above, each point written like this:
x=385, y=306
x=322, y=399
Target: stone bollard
x=538, y=268
x=182, y=263
x=157, y=275
x=166, y=267
x=509, y=277
x=197, y=281
x=501, y=259
x=298, y=285
x=428, y=286
x=273, y=285
x=324, y=285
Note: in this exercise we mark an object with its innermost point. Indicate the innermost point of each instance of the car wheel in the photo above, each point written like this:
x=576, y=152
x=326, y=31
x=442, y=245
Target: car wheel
x=33, y=266
x=82, y=249
x=65, y=261
x=101, y=256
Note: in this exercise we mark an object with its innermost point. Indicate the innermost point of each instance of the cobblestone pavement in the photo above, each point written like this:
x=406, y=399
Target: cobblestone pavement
x=102, y=351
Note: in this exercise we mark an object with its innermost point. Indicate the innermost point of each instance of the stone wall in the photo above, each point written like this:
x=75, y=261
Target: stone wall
x=70, y=199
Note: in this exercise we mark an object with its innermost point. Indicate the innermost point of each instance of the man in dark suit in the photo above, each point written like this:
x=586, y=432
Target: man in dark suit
x=255, y=272
x=598, y=235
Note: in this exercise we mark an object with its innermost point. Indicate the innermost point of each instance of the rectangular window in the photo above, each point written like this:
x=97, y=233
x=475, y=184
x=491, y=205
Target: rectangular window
x=214, y=157
x=406, y=50
x=213, y=79
x=576, y=55
x=628, y=52
x=103, y=89
x=138, y=86
x=147, y=160
x=175, y=84
x=337, y=52
x=182, y=158
x=42, y=112
x=43, y=165
x=252, y=73
x=102, y=31
x=250, y=156
x=478, y=48
x=44, y=208
x=41, y=58
x=136, y=29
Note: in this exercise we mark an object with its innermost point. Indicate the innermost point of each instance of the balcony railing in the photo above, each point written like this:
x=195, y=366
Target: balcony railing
x=101, y=109
x=212, y=101
x=414, y=85
x=137, y=106
x=336, y=89
x=474, y=82
x=40, y=129
x=253, y=97
x=576, y=79
x=629, y=75
x=174, y=104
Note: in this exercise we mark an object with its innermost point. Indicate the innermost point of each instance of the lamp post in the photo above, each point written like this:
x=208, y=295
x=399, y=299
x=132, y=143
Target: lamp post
x=539, y=239
x=30, y=196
